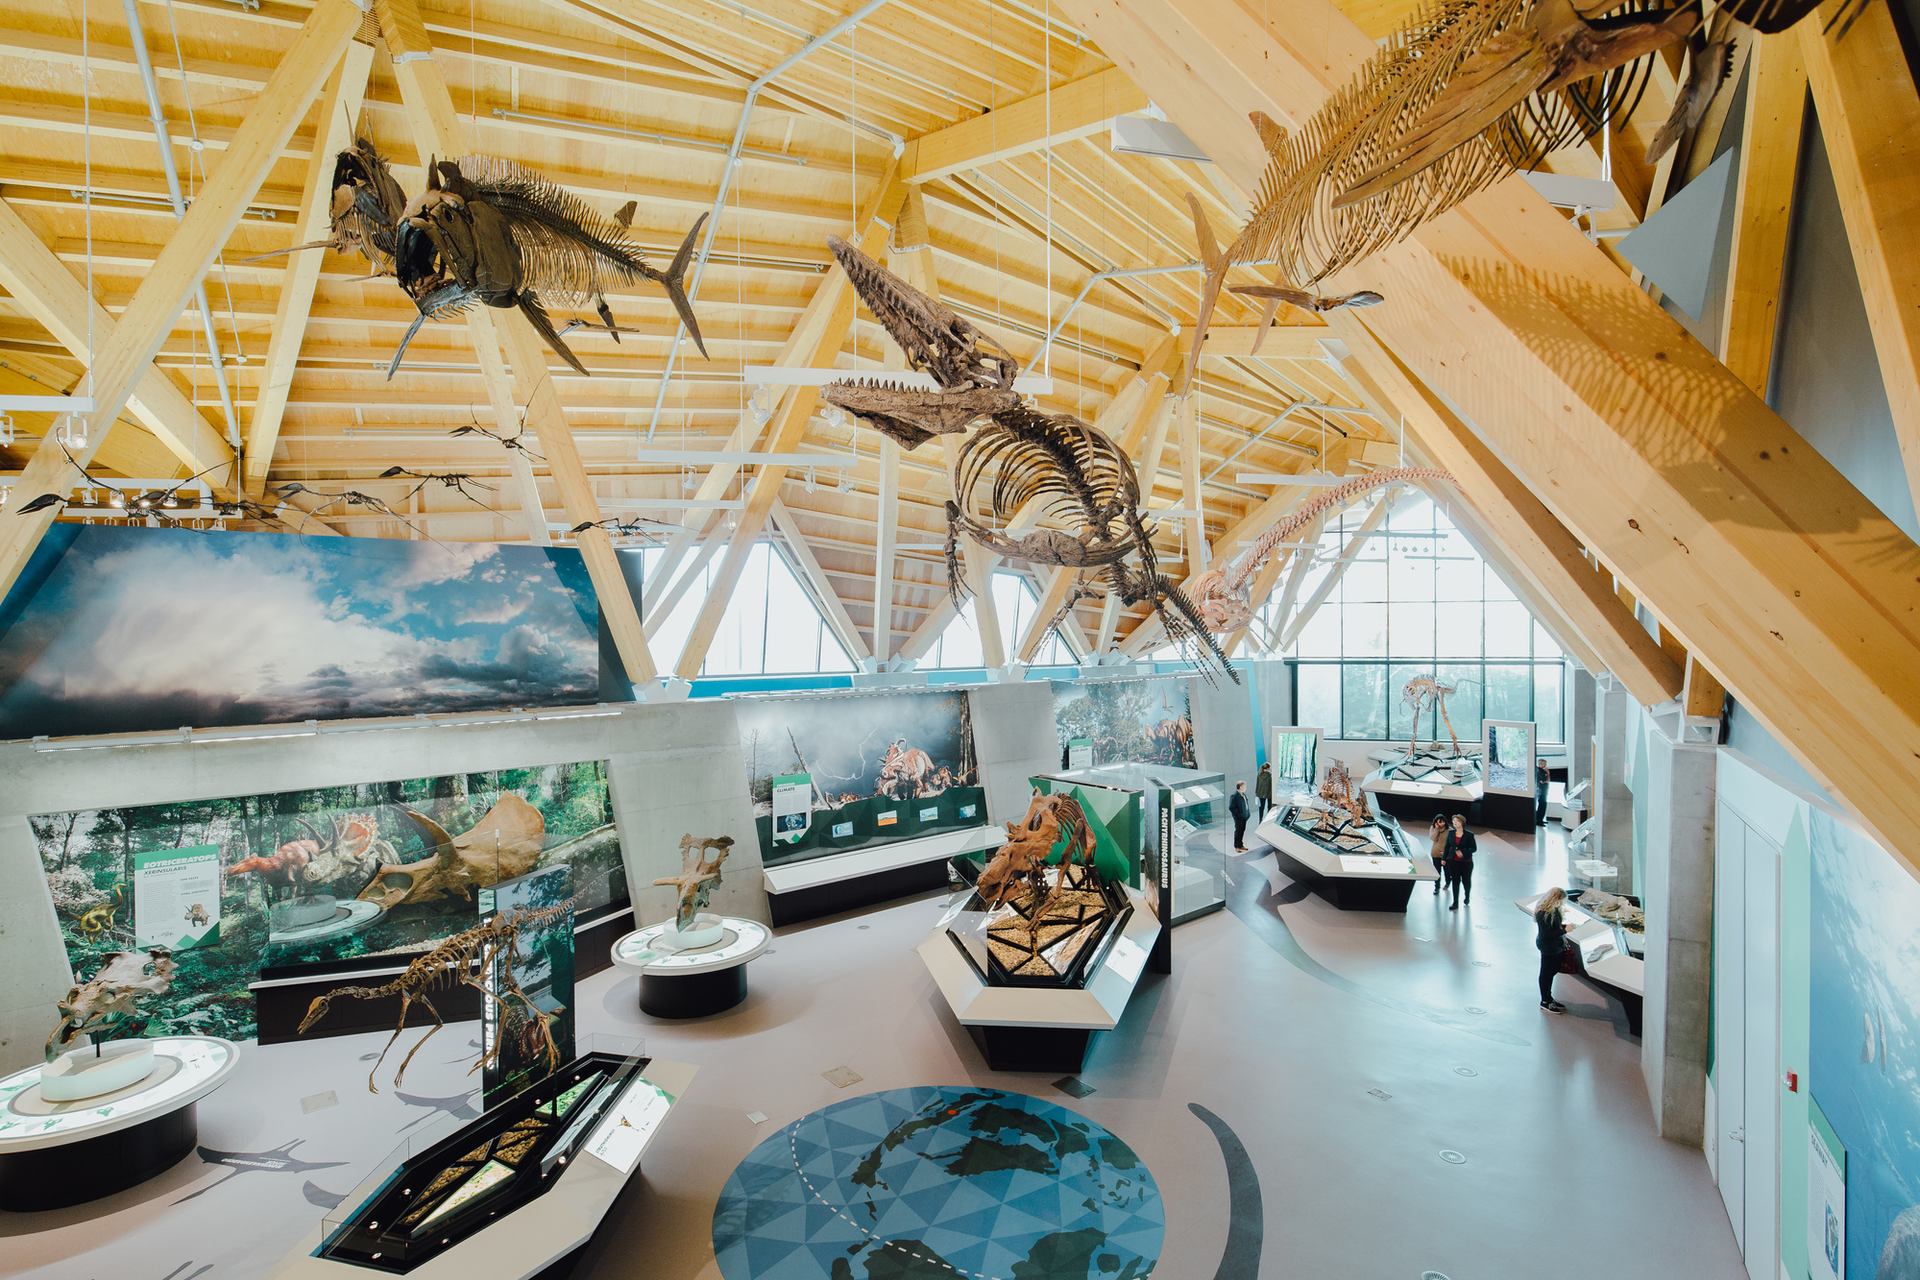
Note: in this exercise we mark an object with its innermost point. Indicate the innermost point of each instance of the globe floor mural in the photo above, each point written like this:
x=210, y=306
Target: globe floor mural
x=938, y=1182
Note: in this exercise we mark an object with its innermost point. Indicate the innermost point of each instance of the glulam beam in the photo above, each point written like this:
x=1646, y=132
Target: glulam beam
x=1069, y=111
x=124, y=360
x=1864, y=95
x=1766, y=561
x=1763, y=207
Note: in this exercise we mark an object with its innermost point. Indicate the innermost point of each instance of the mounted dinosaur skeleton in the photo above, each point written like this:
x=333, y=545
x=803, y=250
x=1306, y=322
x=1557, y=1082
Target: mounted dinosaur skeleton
x=463, y=960
x=1468, y=93
x=1014, y=458
x=1224, y=595
x=488, y=231
x=1417, y=695
x=103, y=1006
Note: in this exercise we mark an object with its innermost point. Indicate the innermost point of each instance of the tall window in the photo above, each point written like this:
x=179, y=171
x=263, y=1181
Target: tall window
x=1417, y=599
x=959, y=644
x=771, y=627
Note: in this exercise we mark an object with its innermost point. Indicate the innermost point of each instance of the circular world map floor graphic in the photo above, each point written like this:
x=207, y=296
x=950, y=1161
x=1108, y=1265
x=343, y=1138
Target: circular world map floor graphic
x=930, y=1183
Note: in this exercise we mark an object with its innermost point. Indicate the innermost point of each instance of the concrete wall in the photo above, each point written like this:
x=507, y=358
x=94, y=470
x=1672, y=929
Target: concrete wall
x=1272, y=695
x=672, y=768
x=1013, y=739
x=1678, y=895
x=1614, y=713
x=1223, y=728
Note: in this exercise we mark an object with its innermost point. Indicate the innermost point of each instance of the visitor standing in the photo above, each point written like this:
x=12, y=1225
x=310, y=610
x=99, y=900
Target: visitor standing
x=1541, y=776
x=1550, y=935
x=1437, y=832
x=1460, y=849
x=1263, y=789
x=1237, y=806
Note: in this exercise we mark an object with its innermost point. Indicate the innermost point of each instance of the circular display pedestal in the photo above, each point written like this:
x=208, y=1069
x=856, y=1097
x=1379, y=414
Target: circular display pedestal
x=55, y=1153
x=678, y=981
x=706, y=930
x=90, y=1071
x=301, y=913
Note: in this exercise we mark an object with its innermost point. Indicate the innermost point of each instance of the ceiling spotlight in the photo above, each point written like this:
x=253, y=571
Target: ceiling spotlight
x=686, y=480
x=811, y=480
x=846, y=483
x=73, y=431
x=6, y=429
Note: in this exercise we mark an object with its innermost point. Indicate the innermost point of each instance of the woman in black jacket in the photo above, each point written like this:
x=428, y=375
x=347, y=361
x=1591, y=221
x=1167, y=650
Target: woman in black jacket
x=1460, y=848
x=1550, y=935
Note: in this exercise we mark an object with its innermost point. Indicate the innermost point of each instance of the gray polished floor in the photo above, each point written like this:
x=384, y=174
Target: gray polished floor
x=1347, y=1051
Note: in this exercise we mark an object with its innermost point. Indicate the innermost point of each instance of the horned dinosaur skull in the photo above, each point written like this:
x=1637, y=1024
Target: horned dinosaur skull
x=104, y=1004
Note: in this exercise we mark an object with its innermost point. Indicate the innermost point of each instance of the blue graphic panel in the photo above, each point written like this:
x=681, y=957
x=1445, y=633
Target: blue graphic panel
x=939, y=1182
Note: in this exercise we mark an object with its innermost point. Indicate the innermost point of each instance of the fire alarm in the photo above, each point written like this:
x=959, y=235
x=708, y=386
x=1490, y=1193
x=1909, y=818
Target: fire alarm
x=1792, y=1081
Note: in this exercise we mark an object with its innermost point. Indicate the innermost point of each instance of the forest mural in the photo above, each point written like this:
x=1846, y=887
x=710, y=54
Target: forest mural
x=117, y=630
x=1142, y=721
x=322, y=876
x=877, y=767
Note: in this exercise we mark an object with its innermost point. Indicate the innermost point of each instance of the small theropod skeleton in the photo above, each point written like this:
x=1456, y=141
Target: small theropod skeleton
x=464, y=960
x=488, y=231
x=1015, y=458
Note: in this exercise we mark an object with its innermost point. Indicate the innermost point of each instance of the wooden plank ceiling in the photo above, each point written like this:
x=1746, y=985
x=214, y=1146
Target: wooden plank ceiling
x=638, y=99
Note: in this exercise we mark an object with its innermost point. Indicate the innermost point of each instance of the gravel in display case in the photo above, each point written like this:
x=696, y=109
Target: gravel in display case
x=441, y=1191
x=1433, y=764
x=1052, y=938
x=1338, y=832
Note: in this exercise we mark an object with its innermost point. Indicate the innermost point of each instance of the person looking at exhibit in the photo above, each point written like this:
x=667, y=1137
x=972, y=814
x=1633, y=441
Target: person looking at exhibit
x=1438, y=831
x=1263, y=788
x=1460, y=849
x=1237, y=806
x=1550, y=936
x=1541, y=776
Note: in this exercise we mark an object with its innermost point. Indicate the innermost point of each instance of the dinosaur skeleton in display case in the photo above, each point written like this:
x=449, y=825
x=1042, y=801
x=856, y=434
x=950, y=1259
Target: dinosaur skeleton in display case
x=1343, y=821
x=1223, y=596
x=1468, y=93
x=1029, y=842
x=1014, y=458
x=488, y=231
x=463, y=960
x=103, y=1006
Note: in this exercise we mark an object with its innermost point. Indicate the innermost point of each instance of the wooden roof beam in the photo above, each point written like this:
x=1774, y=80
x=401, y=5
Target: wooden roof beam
x=1763, y=207
x=1542, y=551
x=1764, y=558
x=1864, y=94
x=788, y=426
x=339, y=107
x=438, y=130
x=1072, y=110
x=123, y=360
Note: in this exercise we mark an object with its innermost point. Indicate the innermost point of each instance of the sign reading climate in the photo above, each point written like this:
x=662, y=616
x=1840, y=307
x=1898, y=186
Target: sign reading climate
x=834, y=772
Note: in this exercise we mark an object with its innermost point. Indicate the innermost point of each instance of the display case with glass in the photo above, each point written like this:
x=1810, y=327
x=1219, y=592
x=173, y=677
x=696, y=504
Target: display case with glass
x=1053, y=938
x=442, y=1189
x=1200, y=827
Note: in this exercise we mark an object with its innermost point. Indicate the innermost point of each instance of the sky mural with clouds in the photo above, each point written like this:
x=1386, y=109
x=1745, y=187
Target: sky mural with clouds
x=114, y=630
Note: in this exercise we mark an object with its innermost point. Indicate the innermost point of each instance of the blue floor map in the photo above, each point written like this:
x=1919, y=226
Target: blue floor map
x=930, y=1183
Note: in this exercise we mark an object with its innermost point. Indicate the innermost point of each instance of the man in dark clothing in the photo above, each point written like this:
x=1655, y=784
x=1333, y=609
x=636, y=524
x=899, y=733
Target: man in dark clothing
x=1263, y=789
x=1460, y=850
x=1237, y=806
x=1541, y=776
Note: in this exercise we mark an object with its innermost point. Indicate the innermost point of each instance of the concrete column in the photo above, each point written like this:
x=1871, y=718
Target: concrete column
x=1580, y=728
x=1013, y=739
x=1612, y=797
x=1679, y=899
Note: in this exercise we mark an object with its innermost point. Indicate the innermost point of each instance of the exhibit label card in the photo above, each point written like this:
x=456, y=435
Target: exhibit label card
x=1826, y=1211
x=792, y=807
x=1079, y=753
x=625, y=1132
x=176, y=897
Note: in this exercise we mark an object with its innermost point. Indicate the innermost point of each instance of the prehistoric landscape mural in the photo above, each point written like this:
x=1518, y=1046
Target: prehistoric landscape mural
x=318, y=877
x=1144, y=721
x=117, y=630
x=1864, y=1069
x=828, y=773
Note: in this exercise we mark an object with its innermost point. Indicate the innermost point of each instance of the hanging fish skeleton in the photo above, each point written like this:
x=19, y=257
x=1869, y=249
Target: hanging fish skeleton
x=1464, y=96
x=488, y=231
